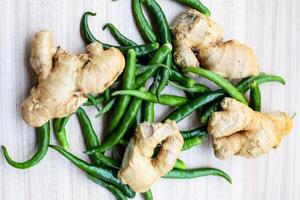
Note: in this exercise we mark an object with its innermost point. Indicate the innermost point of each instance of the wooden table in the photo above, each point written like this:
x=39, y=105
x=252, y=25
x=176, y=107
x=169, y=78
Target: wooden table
x=270, y=27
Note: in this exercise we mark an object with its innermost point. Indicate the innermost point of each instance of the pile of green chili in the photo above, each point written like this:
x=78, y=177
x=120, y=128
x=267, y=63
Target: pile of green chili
x=134, y=99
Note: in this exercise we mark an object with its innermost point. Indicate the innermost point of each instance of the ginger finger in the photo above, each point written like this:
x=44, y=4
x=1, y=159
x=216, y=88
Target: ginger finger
x=138, y=169
x=42, y=51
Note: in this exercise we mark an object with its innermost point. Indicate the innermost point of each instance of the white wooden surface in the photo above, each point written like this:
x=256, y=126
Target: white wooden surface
x=271, y=27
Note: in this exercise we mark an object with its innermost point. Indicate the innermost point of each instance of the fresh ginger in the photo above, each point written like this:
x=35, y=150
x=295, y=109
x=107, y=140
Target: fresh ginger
x=238, y=130
x=139, y=170
x=198, y=42
x=65, y=78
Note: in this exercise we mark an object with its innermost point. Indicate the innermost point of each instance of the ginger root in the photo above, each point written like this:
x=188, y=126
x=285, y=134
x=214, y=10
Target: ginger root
x=65, y=78
x=238, y=130
x=198, y=42
x=138, y=169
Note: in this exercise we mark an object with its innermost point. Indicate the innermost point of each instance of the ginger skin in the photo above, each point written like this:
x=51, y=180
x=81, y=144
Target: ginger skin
x=138, y=169
x=238, y=130
x=198, y=42
x=65, y=78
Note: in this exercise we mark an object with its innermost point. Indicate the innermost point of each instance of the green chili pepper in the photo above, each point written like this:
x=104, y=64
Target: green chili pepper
x=128, y=81
x=89, y=38
x=91, y=141
x=197, y=88
x=96, y=101
x=165, y=99
x=218, y=80
x=157, y=58
x=182, y=79
x=197, y=5
x=96, y=171
x=179, y=164
x=114, y=190
x=149, y=107
x=186, y=109
x=200, y=132
x=142, y=23
x=93, y=101
x=213, y=107
x=141, y=69
x=44, y=139
x=194, y=173
x=107, y=107
x=122, y=40
x=148, y=195
x=60, y=131
x=191, y=142
x=118, y=133
x=106, y=95
x=255, y=97
x=269, y=78
x=165, y=37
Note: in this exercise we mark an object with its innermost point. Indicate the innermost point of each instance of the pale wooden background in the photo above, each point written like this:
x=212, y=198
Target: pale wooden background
x=271, y=27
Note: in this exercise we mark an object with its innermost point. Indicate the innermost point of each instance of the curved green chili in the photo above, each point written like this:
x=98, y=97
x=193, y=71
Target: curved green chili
x=197, y=5
x=213, y=107
x=142, y=23
x=195, y=173
x=165, y=99
x=182, y=79
x=88, y=37
x=165, y=37
x=60, y=131
x=148, y=195
x=157, y=58
x=122, y=127
x=191, y=142
x=269, y=78
x=218, y=80
x=128, y=82
x=95, y=101
x=255, y=97
x=122, y=40
x=99, y=172
x=186, y=109
x=197, y=88
x=44, y=139
x=110, y=104
x=179, y=164
x=91, y=141
x=200, y=132
x=114, y=190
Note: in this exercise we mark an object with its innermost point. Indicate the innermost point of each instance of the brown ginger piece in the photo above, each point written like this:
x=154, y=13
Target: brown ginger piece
x=238, y=130
x=198, y=42
x=65, y=78
x=138, y=169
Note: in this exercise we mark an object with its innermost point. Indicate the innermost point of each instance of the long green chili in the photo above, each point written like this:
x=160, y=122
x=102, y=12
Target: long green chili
x=44, y=139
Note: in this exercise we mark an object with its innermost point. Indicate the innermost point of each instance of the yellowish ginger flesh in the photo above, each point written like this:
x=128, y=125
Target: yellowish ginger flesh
x=198, y=42
x=65, y=78
x=238, y=130
x=139, y=170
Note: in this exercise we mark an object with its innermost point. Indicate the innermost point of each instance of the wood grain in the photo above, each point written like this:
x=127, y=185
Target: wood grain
x=271, y=27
